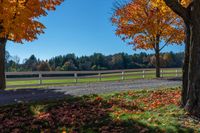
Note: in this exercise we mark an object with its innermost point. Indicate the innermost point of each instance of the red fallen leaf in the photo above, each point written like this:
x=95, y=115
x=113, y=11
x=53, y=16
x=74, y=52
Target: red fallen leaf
x=98, y=98
x=43, y=116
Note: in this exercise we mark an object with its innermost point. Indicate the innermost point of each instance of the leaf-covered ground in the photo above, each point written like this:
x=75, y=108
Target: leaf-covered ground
x=125, y=112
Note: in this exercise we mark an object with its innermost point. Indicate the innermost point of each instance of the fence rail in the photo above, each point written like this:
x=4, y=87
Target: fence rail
x=76, y=76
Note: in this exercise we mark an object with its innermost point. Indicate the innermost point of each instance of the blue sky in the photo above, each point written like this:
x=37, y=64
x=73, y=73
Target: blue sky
x=77, y=26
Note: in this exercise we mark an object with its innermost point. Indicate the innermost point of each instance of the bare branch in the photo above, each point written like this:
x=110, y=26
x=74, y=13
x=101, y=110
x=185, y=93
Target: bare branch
x=167, y=42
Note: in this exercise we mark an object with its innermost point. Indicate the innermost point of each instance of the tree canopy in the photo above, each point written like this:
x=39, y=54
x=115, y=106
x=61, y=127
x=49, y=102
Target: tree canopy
x=19, y=18
x=144, y=23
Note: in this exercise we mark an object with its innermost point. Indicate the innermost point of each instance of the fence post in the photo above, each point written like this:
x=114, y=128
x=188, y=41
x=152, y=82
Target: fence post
x=176, y=72
x=143, y=74
x=100, y=76
x=162, y=73
x=40, y=78
x=122, y=75
x=76, y=77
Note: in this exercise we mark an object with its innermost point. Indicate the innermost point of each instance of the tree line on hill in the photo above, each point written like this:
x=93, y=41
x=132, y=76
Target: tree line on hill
x=97, y=61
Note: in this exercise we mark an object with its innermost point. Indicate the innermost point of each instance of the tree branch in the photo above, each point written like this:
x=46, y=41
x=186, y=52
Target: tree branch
x=178, y=9
x=167, y=42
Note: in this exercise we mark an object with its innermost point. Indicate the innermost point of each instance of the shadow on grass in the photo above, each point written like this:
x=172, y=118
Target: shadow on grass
x=9, y=97
x=87, y=114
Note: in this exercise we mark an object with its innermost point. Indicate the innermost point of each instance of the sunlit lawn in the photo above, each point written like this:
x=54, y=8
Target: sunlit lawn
x=125, y=112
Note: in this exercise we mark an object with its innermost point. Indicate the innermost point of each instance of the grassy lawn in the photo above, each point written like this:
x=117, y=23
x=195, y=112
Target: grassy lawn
x=105, y=77
x=124, y=112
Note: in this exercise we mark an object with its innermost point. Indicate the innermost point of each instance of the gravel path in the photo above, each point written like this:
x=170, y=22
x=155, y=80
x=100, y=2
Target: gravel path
x=53, y=93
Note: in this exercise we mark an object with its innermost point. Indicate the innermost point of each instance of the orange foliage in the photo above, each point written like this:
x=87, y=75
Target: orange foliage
x=19, y=18
x=145, y=23
x=161, y=98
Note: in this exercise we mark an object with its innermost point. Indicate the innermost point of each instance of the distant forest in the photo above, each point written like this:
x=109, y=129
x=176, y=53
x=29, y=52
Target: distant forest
x=97, y=61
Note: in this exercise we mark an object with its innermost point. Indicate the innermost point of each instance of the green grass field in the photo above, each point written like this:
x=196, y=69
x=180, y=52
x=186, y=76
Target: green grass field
x=105, y=77
x=146, y=111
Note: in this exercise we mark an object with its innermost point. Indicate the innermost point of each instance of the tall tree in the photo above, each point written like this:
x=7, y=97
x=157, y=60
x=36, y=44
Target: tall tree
x=31, y=63
x=19, y=22
x=146, y=24
x=191, y=80
x=43, y=66
x=98, y=61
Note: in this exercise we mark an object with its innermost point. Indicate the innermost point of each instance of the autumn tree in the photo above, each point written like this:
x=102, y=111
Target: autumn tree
x=148, y=24
x=191, y=80
x=19, y=22
x=43, y=66
x=69, y=66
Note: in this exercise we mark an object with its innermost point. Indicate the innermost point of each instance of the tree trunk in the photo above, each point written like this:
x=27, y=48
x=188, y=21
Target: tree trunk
x=2, y=63
x=193, y=93
x=186, y=66
x=157, y=54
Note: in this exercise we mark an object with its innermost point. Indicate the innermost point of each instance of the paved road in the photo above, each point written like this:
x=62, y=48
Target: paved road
x=53, y=93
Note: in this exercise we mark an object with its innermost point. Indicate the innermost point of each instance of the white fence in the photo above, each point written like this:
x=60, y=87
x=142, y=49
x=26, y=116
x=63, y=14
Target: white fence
x=75, y=76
